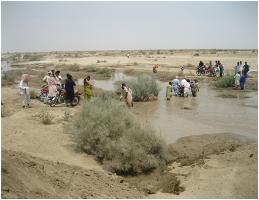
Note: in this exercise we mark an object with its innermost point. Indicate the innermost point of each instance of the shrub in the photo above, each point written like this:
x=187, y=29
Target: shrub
x=46, y=117
x=32, y=57
x=105, y=72
x=74, y=68
x=226, y=81
x=33, y=93
x=90, y=69
x=10, y=76
x=196, y=54
x=190, y=66
x=213, y=51
x=107, y=129
x=144, y=88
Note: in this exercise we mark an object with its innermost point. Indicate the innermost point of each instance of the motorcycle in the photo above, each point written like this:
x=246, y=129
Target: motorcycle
x=201, y=71
x=214, y=72
x=59, y=98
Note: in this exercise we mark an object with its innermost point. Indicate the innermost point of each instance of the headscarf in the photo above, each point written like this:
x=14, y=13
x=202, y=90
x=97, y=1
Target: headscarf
x=25, y=77
x=183, y=82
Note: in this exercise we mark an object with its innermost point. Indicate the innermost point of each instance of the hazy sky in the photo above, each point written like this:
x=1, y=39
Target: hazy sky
x=54, y=26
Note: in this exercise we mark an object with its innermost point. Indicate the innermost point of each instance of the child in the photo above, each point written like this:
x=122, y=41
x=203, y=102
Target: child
x=169, y=91
x=194, y=88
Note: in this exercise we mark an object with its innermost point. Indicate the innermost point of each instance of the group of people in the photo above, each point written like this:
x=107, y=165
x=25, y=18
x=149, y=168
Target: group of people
x=241, y=75
x=212, y=69
x=54, y=81
x=183, y=88
x=55, y=84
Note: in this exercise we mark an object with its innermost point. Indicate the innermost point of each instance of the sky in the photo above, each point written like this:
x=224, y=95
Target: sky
x=82, y=26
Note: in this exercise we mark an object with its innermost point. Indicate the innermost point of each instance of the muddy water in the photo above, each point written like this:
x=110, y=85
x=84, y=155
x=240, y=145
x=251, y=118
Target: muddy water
x=208, y=113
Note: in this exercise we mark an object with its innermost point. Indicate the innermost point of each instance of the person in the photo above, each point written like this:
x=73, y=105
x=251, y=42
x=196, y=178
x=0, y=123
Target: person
x=237, y=79
x=240, y=63
x=58, y=79
x=128, y=55
x=221, y=68
x=182, y=87
x=45, y=78
x=176, y=84
x=210, y=69
x=187, y=88
x=194, y=87
x=87, y=88
x=169, y=91
x=237, y=68
x=242, y=82
x=24, y=90
x=246, y=68
x=155, y=68
x=52, y=83
x=69, y=87
x=201, y=64
x=126, y=94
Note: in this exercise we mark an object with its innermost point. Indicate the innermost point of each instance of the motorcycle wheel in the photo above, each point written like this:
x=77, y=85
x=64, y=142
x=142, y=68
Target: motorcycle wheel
x=198, y=73
x=75, y=101
x=52, y=102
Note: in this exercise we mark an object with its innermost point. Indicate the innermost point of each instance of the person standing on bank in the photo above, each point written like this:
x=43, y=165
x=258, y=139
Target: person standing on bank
x=69, y=87
x=24, y=90
x=87, y=88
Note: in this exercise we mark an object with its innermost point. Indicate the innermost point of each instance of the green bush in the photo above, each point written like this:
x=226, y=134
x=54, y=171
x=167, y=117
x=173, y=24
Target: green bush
x=105, y=72
x=144, y=88
x=10, y=76
x=107, y=129
x=226, y=81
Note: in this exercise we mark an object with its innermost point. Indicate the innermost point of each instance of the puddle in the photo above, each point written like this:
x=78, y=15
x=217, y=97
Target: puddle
x=208, y=113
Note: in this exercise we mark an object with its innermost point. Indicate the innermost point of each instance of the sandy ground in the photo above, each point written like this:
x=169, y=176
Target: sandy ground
x=40, y=161
x=34, y=157
x=25, y=176
x=227, y=175
x=168, y=62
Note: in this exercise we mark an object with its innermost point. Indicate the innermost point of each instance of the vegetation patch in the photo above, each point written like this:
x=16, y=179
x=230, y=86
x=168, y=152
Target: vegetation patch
x=144, y=88
x=46, y=117
x=33, y=93
x=226, y=81
x=158, y=180
x=107, y=129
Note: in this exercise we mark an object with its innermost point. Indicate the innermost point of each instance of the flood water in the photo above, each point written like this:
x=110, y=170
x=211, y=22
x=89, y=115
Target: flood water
x=208, y=113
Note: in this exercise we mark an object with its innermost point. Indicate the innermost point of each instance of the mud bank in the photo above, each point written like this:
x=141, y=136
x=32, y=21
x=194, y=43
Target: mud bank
x=25, y=176
x=203, y=164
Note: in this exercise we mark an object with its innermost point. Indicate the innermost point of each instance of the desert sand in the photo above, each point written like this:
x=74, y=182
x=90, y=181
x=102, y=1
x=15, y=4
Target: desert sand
x=40, y=161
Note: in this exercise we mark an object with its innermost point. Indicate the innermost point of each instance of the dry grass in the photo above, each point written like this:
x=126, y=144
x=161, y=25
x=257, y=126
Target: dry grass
x=46, y=117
